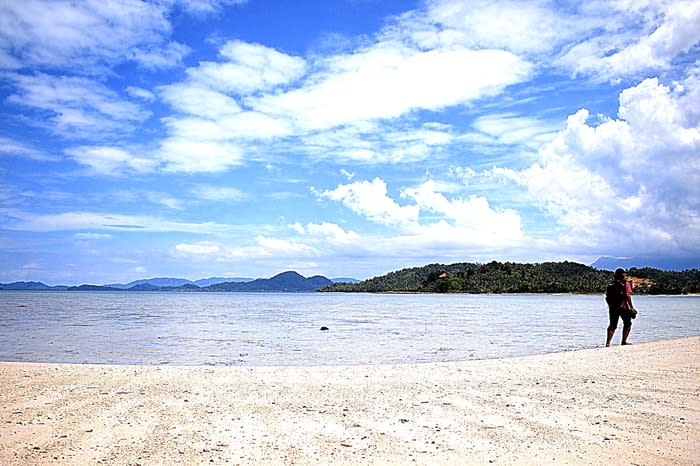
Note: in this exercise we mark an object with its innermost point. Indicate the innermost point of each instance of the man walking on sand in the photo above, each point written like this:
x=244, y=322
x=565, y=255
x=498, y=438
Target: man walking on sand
x=618, y=295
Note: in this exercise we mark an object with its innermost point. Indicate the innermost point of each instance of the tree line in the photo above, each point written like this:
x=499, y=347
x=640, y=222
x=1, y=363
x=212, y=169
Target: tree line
x=511, y=277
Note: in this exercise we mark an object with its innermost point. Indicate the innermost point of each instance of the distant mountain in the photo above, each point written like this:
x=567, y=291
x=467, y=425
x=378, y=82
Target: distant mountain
x=31, y=286
x=345, y=280
x=661, y=263
x=151, y=281
x=149, y=287
x=216, y=280
x=147, y=284
x=285, y=281
x=92, y=288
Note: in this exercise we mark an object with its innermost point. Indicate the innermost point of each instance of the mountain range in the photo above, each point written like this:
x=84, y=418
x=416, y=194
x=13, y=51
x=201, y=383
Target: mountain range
x=175, y=282
x=661, y=263
x=286, y=282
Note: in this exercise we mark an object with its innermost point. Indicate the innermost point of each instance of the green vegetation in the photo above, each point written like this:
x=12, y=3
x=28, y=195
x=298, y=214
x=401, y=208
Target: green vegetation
x=509, y=277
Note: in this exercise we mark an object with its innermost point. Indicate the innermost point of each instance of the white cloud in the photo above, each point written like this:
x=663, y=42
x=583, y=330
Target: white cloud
x=107, y=160
x=248, y=68
x=199, y=101
x=218, y=193
x=638, y=36
x=72, y=221
x=159, y=57
x=15, y=148
x=628, y=183
x=140, y=93
x=605, y=40
x=347, y=174
x=473, y=216
x=521, y=27
x=255, y=125
x=379, y=143
x=262, y=248
x=80, y=106
x=512, y=129
x=390, y=80
x=92, y=236
x=203, y=248
x=164, y=200
x=370, y=200
x=85, y=36
x=207, y=6
x=432, y=221
x=198, y=156
x=329, y=233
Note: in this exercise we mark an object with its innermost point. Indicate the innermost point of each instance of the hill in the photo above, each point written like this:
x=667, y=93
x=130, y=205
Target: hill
x=154, y=282
x=285, y=281
x=204, y=282
x=509, y=277
x=30, y=286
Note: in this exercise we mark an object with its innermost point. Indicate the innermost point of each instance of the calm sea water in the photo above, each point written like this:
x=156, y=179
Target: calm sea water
x=284, y=329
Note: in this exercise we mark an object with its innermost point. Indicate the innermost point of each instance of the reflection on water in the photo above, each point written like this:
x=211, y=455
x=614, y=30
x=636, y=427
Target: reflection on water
x=284, y=329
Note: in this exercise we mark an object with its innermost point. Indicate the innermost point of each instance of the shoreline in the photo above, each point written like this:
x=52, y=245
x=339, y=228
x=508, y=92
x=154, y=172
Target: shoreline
x=637, y=404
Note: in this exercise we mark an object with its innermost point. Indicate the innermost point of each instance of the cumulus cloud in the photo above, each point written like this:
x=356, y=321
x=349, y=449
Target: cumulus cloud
x=370, y=199
x=626, y=183
x=668, y=29
x=329, y=233
x=433, y=218
x=248, y=68
x=199, y=101
x=495, y=24
x=473, y=217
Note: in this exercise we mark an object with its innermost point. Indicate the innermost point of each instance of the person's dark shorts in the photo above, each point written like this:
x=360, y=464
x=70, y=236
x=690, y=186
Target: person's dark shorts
x=616, y=314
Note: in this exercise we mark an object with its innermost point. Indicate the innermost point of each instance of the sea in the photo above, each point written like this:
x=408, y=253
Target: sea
x=283, y=329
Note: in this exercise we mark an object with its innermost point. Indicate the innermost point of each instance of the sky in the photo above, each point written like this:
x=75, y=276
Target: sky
x=346, y=138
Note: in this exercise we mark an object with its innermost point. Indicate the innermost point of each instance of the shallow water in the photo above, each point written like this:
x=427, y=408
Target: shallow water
x=284, y=329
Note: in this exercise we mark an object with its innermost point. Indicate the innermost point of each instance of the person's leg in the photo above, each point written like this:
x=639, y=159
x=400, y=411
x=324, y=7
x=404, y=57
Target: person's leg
x=625, y=334
x=614, y=317
x=627, y=326
x=610, y=337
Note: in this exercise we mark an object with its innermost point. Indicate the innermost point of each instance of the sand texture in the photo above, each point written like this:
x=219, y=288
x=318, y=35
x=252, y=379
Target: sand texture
x=638, y=404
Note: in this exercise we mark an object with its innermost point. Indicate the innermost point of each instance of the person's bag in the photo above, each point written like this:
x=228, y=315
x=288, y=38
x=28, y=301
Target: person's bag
x=614, y=295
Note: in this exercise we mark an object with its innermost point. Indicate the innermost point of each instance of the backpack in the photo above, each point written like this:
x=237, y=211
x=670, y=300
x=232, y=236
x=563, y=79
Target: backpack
x=615, y=295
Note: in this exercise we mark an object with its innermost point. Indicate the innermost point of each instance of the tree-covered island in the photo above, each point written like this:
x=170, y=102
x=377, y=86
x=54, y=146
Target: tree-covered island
x=510, y=277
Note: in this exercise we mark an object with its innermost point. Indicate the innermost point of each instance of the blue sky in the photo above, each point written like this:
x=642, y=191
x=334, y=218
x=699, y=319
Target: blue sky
x=348, y=138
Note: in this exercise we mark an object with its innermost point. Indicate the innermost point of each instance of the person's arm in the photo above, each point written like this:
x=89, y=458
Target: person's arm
x=628, y=296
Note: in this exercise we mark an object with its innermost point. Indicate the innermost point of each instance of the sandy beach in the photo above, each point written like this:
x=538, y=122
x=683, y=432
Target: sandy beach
x=638, y=404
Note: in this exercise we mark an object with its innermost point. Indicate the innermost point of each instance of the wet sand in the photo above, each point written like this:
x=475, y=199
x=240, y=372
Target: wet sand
x=638, y=404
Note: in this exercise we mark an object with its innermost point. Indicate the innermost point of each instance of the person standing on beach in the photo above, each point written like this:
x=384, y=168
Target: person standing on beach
x=618, y=295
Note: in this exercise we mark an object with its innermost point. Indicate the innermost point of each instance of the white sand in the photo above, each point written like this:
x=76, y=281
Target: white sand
x=624, y=405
